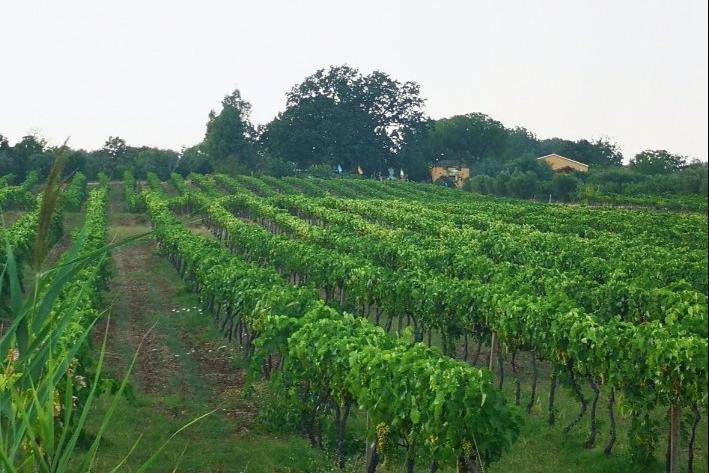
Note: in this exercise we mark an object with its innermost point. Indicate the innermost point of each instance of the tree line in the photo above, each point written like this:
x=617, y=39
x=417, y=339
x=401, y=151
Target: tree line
x=340, y=118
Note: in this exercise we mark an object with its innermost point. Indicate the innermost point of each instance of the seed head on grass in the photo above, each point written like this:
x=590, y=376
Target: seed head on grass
x=50, y=199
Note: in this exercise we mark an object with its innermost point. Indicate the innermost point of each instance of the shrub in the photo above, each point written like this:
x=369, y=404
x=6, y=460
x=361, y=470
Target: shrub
x=523, y=185
x=482, y=184
x=564, y=186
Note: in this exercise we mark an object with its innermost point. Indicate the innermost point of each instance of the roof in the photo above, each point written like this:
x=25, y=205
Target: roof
x=562, y=157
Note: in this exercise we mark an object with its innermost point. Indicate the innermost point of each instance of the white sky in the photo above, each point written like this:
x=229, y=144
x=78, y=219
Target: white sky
x=150, y=71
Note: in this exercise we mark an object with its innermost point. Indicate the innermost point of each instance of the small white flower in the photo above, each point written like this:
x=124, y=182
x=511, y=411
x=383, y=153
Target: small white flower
x=80, y=381
x=13, y=355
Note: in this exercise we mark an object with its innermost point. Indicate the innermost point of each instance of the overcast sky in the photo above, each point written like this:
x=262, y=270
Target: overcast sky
x=150, y=71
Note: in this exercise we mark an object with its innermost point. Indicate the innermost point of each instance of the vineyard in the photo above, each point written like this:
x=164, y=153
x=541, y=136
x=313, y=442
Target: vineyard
x=346, y=324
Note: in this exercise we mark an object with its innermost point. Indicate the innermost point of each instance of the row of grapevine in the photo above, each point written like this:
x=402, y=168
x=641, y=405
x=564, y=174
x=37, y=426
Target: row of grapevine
x=18, y=196
x=255, y=185
x=130, y=192
x=178, y=182
x=83, y=294
x=306, y=186
x=6, y=180
x=20, y=236
x=687, y=203
x=364, y=189
x=75, y=192
x=279, y=185
x=348, y=362
x=206, y=184
x=154, y=182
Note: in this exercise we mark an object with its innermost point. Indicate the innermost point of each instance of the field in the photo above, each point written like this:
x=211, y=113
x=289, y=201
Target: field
x=388, y=326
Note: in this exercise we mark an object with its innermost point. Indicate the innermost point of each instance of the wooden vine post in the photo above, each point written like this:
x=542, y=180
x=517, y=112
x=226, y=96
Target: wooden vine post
x=492, y=351
x=675, y=412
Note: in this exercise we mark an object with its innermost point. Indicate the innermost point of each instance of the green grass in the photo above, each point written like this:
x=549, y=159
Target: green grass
x=209, y=445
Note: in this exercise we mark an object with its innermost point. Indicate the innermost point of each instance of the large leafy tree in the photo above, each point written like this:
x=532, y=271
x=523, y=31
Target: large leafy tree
x=30, y=153
x=6, y=164
x=415, y=156
x=321, y=131
x=160, y=161
x=520, y=143
x=115, y=148
x=657, y=161
x=340, y=116
x=115, y=152
x=228, y=141
x=474, y=139
x=467, y=138
x=193, y=159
